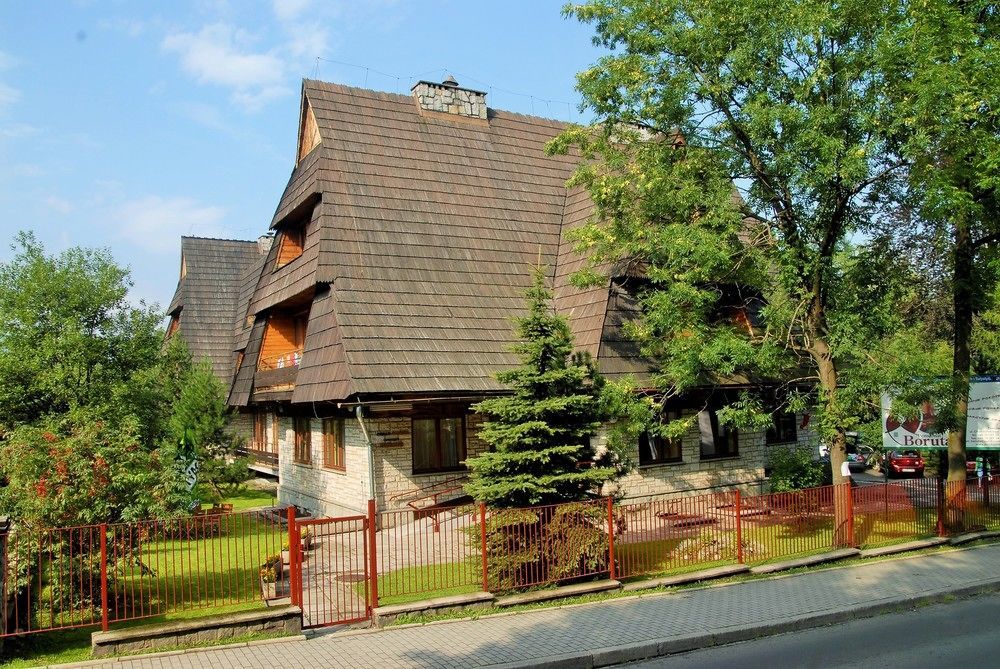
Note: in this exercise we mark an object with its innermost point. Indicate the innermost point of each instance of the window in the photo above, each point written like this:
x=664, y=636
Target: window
x=438, y=444
x=334, y=453
x=783, y=428
x=259, y=432
x=655, y=449
x=284, y=341
x=717, y=440
x=303, y=451
x=175, y=323
x=292, y=241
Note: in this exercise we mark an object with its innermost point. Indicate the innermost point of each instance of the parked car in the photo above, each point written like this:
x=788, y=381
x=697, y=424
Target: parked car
x=903, y=463
x=859, y=456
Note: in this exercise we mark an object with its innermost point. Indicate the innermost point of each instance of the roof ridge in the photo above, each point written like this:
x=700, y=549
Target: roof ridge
x=402, y=97
x=220, y=239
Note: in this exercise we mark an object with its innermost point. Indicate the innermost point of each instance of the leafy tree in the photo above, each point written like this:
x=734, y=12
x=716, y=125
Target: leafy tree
x=540, y=436
x=198, y=434
x=68, y=336
x=737, y=147
x=795, y=469
x=942, y=60
x=85, y=394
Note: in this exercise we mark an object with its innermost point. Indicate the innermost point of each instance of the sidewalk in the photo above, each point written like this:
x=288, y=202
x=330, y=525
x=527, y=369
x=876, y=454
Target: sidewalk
x=602, y=633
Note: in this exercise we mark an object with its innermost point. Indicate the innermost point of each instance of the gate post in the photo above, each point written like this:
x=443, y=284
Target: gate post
x=372, y=557
x=611, y=538
x=104, y=577
x=294, y=564
x=482, y=546
x=739, y=528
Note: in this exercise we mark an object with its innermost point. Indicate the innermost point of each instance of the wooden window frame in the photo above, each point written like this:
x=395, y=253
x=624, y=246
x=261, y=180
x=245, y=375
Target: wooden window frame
x=782, y=434
x=174, y=325
x=334, y=446
x=725, y=439
x=302, y=448
x=666, y=447
x=291, y=245
x=438, y=447
x=259, y=432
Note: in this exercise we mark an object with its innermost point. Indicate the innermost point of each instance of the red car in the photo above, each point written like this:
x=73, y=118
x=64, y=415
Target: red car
x=905, y=463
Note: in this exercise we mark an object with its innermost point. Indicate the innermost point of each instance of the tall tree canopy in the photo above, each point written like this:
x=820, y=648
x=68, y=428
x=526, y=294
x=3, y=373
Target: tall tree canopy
x=738, y=145
x=942, y=62
x=92, y=406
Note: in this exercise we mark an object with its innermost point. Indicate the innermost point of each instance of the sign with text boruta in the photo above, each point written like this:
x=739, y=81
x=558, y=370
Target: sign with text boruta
x=983, y=431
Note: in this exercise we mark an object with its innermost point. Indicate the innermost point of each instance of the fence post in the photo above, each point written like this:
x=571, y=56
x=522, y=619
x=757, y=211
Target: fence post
x=850, y=514
x=372, y=557
x=739, y=528
x=482, y=545
x=293, y=564
x=611, y=538
x=940, y=507
x=104, y=577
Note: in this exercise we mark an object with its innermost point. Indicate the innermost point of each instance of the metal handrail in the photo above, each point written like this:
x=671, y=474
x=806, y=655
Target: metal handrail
x=428, y=487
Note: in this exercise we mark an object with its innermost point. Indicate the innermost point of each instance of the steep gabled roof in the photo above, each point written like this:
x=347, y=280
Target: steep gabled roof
x=206, y=295
x=423, y=233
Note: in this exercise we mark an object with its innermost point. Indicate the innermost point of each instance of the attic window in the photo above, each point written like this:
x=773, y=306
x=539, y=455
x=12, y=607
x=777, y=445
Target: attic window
x=174, y=325
x=290, y=245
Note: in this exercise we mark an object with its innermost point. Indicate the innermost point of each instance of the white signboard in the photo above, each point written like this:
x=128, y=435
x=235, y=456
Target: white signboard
x=983, y=431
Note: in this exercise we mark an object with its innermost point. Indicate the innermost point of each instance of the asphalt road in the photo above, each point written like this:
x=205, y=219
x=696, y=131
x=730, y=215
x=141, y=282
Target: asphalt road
x=960, y=633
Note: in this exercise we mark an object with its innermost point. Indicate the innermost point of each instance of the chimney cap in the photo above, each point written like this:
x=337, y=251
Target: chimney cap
x=450, y=82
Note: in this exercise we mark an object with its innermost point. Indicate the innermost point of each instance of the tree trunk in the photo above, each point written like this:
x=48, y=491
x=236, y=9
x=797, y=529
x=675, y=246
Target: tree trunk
x=837, y=442
x=961, y=362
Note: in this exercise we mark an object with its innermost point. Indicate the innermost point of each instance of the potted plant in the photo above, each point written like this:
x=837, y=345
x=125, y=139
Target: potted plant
x=271, y=573
x=307, y=538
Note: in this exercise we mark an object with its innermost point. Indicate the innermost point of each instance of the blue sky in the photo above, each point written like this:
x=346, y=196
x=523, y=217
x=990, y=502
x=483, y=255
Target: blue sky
x=127, y=124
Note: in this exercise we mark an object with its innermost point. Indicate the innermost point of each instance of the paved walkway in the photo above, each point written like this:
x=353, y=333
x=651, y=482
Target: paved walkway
x=688, y=617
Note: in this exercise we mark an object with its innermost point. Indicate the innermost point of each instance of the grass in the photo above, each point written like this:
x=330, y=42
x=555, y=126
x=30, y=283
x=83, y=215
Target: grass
x=242, y=499
x=414, y=584
x=423, y=619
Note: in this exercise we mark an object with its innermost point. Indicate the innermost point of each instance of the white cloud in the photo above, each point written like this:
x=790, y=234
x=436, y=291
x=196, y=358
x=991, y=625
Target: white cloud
x=219, y=54
x=17, y=130
x=288, y=10
x=155, y=223
x=309, y=40
x=59, y=205
x=7, y=61
x=8, y=96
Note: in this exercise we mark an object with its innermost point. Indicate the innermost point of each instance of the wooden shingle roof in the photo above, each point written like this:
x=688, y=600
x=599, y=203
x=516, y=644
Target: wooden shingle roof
x=422, y=238
x=206, y=296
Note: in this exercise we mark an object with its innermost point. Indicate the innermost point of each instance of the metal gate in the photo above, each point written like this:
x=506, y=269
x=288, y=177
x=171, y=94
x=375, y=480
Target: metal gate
x=330, y=577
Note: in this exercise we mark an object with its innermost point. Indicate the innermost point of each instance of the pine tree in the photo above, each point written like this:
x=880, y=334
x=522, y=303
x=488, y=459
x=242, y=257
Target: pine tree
x=540, y=436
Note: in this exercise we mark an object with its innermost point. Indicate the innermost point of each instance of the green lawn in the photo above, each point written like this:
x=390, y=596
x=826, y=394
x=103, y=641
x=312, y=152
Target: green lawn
x=243, y=499
x=413, y=584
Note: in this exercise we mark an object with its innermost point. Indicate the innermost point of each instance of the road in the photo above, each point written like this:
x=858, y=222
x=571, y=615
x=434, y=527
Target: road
x=959, y=633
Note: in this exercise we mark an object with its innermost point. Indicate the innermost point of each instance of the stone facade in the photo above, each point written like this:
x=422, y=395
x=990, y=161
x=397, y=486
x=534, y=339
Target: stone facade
x=450, y=99
x=332, y=492
x=694, y=475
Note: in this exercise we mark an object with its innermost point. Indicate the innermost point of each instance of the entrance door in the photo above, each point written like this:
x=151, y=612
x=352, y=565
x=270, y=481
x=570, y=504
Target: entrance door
x=330, y=578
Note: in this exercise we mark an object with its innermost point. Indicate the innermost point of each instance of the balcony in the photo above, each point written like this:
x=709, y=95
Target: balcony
x=280, y=360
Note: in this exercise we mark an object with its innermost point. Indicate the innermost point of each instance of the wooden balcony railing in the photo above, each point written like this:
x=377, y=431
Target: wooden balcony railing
x=281, y=360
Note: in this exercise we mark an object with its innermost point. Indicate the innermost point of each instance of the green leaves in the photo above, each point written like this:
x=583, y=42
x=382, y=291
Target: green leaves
x=540, y=436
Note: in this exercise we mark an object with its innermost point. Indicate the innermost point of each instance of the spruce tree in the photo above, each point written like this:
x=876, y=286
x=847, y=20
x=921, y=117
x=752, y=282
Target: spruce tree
x=540, y=436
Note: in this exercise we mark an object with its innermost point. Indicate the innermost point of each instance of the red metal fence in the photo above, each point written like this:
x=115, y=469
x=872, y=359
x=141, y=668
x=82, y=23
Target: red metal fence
x=339, y=569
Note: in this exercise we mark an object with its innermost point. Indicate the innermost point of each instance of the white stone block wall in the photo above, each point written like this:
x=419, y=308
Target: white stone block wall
x=330, y=492
x=693, y=476
x=324, y=491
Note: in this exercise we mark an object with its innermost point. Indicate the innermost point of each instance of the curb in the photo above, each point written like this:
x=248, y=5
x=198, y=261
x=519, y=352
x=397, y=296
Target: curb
x=114, y=659
x=604, y=657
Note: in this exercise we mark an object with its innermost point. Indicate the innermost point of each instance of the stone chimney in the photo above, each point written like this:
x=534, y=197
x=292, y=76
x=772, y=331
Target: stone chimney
x=264, y=243
x=448, y=98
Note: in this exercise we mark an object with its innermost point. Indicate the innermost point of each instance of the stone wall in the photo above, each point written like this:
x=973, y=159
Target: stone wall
x=324, y=491
x=693, y=475
x=163, y=636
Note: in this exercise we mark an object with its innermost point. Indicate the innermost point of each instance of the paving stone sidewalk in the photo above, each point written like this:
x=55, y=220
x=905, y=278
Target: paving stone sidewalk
x=531, y=637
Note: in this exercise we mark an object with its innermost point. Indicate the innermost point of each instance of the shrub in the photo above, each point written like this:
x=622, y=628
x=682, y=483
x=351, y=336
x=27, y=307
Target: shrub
x=795, y=469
